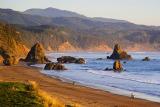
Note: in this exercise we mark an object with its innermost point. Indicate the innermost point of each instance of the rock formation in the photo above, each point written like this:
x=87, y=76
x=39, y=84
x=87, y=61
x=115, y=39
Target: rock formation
x=69, y=59
x=119, y=54
x=117, y=66
x=8, y=58
x=11, y=60
x=54, y=66
x=37, y=54
x=146, y=59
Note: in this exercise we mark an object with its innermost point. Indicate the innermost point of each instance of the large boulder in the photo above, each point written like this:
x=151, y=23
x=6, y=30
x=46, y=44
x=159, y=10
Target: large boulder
x=37, y=55
x=117, y=66
x=69, y=59
x=10, y=61
x=7, y=58
x=54, y=66
x=119, y=54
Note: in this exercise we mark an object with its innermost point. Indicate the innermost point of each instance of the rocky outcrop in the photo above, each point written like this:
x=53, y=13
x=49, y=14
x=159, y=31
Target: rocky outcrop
x=8, y=58
x=119, y=54
x=117, y=66
x=54, y=66
x=11, y=60
x=146, y=59
x=37, y=54
x=69, y=59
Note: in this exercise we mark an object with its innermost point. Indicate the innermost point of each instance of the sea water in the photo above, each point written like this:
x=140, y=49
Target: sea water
x=140, y=78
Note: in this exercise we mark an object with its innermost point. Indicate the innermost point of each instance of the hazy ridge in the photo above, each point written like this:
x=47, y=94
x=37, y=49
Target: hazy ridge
x=59, y=29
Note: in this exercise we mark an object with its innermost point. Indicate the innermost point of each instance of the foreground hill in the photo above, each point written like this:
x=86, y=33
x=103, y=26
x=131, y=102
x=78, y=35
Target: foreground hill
x=26, y=95
x=81, y=33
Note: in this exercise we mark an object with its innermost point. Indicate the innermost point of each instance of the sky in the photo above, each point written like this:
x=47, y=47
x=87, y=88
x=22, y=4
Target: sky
x=145, y=12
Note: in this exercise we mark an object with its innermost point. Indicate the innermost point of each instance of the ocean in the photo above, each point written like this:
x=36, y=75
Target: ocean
x=140, y=78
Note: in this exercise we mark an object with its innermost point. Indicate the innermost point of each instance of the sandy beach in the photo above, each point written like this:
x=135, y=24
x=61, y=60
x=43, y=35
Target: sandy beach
x=69, y=93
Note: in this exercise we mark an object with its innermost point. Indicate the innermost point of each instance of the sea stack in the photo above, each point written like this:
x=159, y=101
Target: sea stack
x=119, y=54
x=37, y=55
x=54, y=66
x=117, y=66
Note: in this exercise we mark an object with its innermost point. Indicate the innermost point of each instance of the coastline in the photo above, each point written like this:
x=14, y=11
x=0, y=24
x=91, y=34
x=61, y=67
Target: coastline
x=112, y=90
x=69, y=92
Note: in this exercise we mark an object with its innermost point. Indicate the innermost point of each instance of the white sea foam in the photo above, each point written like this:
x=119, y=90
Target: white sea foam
x=150, y=78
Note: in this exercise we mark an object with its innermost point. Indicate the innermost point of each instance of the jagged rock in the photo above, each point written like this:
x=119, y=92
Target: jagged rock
x=119, y=54
x=69, y=59
x=54, y=66
x=37, y=54
x=146, y=59
x=117, y=66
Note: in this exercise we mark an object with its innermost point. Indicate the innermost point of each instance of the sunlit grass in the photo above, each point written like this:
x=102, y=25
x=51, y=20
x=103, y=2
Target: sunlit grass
x=27, y=95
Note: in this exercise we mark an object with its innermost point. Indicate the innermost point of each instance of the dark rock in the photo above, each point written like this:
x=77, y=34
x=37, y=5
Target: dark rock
x=99, y=59
x=54, y=66
x=37, y=54
x=80, y=61
x=146, y=59
x=69, y=59
x=119, y=54
x=117, y=66
x=11, y=60
x=108, y=69
x=66, y=59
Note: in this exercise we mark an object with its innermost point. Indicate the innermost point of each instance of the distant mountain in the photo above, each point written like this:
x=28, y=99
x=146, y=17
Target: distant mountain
x=15, y=17
x=82, y=32
x=52, y=12
x=55, y=13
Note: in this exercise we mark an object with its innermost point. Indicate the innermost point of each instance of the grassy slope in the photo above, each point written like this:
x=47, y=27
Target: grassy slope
x=18, y=95
x=15, y=94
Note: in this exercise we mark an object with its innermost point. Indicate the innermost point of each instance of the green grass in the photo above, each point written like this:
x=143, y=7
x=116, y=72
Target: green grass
x=18, y=95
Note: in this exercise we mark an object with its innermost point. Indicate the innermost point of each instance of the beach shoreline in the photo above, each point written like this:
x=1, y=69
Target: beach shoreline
x=69, y=92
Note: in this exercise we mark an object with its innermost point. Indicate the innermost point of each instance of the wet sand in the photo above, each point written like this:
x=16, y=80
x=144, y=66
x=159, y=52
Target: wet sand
x=70, y=93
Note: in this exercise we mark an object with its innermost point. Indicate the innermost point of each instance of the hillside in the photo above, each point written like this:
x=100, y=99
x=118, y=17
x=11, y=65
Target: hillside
x=87, y=34
x=11, y=41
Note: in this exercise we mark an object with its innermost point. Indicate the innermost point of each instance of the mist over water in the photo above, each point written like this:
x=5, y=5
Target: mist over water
x=142, y=77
